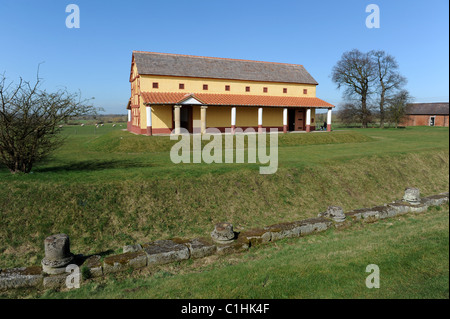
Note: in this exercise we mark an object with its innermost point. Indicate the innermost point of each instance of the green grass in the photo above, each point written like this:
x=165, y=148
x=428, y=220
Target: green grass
x=107, y=188
x=412, y=253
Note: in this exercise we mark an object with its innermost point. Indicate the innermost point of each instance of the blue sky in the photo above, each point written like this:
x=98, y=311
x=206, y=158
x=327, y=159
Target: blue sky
x=95, y=58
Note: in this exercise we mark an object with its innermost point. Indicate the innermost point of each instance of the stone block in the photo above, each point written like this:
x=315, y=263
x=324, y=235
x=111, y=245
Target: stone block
x=21, y=277
x=94, y=264
x=373, y=213
x=313, y=225
x=353, y=215
x=284, y=230
x=134, y=260
x=256, y=236
x=336, y=213
x=420, y=208
x=435, y=200
x=55, y=281
x=131, y=248
x=223, y=233
x=200, y=247
x=412, y=195
x=402, y=207
x=239, y=245
x=165, y=251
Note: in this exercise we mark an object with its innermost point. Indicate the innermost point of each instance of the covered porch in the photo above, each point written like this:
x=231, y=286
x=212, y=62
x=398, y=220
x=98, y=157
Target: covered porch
x=198, y=112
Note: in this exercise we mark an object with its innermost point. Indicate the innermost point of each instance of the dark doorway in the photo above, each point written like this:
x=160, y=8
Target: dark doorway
x=432, y=121
x=300, y=119
x=291, y=119
x=186, y=117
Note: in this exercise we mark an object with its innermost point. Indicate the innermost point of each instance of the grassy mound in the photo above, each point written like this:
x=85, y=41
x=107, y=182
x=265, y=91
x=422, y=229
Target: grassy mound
x=109, y=214
x=104, y=197
x=125, y=142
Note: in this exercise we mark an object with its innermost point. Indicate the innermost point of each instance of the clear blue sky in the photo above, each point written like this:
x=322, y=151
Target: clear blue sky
x=96, y=57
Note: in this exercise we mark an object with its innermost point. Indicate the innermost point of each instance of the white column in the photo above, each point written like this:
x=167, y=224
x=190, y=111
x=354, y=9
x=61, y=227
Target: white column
x=233, y=119
x=149, y=119
x=149, y=116
x=308, y=120
x=176, y=115
x=203, y=119
x=129, y=115
x=285, y=120
x=260, y=119
x=329, y=120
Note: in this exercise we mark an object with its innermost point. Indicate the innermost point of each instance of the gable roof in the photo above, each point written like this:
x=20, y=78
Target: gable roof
x=152, y=63
x=427, y=109
x=234, y=99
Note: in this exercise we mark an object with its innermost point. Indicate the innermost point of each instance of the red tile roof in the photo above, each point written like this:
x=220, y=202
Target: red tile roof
x=234, y=99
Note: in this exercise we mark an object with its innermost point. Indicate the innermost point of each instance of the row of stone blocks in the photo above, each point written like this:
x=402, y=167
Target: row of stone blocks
x=223, y=240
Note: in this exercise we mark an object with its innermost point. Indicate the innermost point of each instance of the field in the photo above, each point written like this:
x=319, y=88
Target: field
x=106, y=188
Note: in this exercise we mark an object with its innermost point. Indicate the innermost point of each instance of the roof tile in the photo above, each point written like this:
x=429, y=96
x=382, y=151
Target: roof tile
x=234, y=99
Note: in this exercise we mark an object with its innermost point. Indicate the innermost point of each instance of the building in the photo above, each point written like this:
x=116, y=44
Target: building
x=426, y=114
x=172, y=91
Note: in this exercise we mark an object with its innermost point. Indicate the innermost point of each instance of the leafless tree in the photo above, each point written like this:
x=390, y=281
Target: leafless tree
x=389, y=79
x=350, y=113
x=397, y=106
x=355, y=72
x=30, y=121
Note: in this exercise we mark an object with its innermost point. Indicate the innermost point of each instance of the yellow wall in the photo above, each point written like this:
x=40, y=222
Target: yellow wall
x=162, y=116
x=273, y=117
x=195, y=85
x=247, y=116
x=216, y=116
x=219, y=116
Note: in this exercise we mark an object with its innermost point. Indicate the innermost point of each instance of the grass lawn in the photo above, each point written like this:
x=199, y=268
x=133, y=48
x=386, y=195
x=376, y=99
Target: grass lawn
x=411, y=251
x=106, y=188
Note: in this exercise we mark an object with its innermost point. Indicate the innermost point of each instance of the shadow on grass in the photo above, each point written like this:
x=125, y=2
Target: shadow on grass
x=91, y=165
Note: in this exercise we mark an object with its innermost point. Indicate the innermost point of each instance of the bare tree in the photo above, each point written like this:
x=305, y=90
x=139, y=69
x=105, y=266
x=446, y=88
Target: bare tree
x=350, y=113
x=30, y=121
x=389, y=79
x=355, y=72
x=397, y=106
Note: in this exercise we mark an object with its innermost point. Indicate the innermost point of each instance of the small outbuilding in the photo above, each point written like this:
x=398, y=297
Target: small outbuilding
x=426, y=114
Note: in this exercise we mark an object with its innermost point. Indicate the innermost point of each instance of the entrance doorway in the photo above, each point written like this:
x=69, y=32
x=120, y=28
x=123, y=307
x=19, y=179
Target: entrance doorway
x=186, y=117
x=432, y=120
x=291, y=117
x=300, y=119
x=297, y=119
